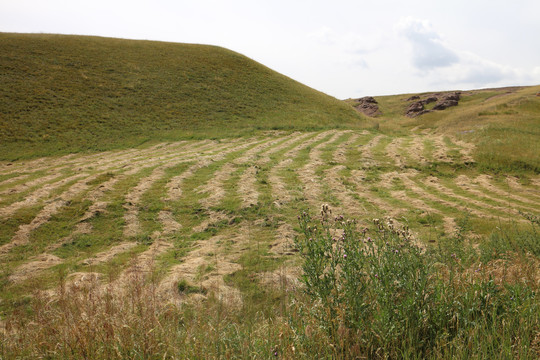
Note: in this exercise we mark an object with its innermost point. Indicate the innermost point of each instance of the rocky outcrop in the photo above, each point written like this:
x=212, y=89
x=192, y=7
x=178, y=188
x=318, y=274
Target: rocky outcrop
x=444, y=101
x=367, y=106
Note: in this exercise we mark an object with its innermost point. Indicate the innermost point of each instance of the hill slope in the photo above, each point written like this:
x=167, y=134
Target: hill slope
x=504, y=123
x=70, y=93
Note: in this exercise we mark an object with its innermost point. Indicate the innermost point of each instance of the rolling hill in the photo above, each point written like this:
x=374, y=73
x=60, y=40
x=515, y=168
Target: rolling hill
x=199, y=244
x=504, y=123
x=64, y=94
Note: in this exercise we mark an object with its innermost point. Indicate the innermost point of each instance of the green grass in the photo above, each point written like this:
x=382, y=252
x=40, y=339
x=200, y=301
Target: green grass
x=64, y=94
x=454, y=298
x=504, y=124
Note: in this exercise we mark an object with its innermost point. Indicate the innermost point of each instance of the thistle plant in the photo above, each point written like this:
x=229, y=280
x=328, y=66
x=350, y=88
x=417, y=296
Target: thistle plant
x=374, y=288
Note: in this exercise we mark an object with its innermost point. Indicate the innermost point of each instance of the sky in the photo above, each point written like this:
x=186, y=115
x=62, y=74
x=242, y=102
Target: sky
x=343, y=48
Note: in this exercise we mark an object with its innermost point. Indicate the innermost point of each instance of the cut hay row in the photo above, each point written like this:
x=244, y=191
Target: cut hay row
x=394, y=152
x=417, y=151
x=311, y=182
x=366, y=151
x=498, y=211
x=362, y=181
x=510, y=202
x=22, y=235
x=279, y=188
x=98, y=206
x=214, y=187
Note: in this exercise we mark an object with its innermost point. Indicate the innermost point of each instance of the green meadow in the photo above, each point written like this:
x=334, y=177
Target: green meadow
x=175, y=201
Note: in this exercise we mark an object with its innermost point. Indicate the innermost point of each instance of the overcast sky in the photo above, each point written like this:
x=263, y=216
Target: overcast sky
x=344, y=48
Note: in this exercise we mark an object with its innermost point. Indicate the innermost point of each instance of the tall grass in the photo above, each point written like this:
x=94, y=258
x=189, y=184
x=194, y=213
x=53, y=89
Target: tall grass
x=378, y=294
x=367, y=293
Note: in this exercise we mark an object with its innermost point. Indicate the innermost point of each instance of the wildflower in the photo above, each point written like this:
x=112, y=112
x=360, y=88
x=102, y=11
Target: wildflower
x=344, y=256
x=396, y=251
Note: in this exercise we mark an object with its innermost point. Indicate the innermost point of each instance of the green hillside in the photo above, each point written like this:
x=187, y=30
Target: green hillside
x=63, y=93
x=503, y=123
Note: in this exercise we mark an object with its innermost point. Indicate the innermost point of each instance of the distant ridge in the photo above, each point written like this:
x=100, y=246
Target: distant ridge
x=64, y=93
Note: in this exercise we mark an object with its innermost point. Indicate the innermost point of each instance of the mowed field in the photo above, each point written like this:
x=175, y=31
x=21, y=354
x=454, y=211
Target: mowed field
x=177, y=201
x=210, y=215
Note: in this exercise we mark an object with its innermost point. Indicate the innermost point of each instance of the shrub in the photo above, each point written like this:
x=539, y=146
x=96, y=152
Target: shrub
x=377, y=293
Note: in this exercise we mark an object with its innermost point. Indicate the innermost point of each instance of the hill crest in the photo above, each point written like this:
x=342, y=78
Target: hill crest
x=67, y=93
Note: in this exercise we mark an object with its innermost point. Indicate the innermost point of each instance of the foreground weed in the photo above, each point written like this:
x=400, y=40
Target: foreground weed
x=378, y=294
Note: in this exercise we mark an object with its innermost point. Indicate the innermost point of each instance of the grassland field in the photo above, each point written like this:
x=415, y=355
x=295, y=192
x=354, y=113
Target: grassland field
x=183, y=246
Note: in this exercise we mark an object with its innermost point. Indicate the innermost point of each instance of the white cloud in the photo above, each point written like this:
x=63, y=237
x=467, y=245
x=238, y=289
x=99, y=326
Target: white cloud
x=429, y=51
x=324, y=36
x=476, y=71
x=445, y=66
x=344, y=49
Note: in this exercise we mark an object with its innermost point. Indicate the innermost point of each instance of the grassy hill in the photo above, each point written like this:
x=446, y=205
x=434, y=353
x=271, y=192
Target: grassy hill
x=207, y=246
x=63, y=94
x=504, y=124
